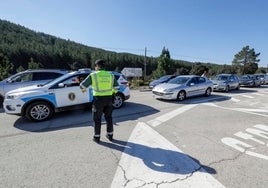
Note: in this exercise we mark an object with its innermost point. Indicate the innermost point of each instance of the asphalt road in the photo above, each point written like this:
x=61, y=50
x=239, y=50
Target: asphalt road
x=216, y=141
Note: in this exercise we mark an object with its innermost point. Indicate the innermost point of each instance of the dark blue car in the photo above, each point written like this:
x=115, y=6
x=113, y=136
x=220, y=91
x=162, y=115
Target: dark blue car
x=162, y=79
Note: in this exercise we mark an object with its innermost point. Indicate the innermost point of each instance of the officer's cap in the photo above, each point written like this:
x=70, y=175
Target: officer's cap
x=100, y=62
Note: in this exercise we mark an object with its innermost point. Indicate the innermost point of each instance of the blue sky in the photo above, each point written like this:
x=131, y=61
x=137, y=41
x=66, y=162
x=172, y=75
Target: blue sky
x=192, y=30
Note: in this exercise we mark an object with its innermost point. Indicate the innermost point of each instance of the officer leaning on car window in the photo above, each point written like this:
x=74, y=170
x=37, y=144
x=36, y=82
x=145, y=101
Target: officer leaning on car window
x=103, y=83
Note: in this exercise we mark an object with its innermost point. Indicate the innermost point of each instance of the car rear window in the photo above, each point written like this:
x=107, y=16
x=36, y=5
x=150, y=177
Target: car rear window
x=45, y=75
x=25, y=77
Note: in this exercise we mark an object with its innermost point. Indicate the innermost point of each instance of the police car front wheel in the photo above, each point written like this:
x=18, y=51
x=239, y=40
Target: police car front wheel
x=39, y=111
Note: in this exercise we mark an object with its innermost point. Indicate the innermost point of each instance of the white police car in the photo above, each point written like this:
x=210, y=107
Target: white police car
x=40, y=102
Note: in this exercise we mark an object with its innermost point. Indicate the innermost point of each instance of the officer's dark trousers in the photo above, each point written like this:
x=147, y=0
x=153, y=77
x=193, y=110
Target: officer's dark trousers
x=102, y=105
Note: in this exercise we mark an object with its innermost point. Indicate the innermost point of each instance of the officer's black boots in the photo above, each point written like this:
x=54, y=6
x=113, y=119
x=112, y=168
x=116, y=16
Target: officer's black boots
x=110, y=137
x=96, y=139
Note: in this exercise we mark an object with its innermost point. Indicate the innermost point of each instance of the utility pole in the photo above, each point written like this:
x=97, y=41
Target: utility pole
x=145, y=63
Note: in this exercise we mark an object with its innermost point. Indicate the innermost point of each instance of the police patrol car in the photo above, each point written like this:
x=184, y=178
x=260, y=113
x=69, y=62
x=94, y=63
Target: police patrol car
x=40, y=102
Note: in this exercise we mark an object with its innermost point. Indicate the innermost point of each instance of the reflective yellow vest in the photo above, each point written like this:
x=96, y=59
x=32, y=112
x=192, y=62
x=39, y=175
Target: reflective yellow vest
x=102, y=83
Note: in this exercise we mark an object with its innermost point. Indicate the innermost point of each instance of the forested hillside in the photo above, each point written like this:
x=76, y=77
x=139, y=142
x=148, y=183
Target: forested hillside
x=22, y=48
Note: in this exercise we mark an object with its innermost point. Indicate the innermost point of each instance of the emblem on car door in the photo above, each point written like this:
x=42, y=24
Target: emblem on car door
x=71, y=96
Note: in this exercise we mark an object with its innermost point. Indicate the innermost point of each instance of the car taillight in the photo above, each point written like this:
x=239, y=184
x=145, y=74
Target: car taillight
x=124, y=83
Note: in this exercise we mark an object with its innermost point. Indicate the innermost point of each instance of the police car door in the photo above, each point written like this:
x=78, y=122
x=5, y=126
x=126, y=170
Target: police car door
x=69, y=93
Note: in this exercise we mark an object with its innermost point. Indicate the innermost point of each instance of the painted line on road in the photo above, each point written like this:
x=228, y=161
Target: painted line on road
x=249, y=134
x=259, y=94
x=247, y=96
x=161, y=119
x=149, y=160
x=252, y=110
x=235, y=100
x=245, y=110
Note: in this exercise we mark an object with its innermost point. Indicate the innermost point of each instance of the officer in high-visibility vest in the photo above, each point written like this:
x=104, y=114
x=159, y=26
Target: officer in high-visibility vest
x=103, y=83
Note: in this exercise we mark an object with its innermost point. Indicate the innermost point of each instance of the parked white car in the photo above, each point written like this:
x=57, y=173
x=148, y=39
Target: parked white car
x=182, y=87
x=40, y=102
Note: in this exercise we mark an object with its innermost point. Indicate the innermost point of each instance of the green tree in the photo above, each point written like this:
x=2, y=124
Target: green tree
x=159, y=71
x=199, y=69
x=20, y=69
x=247, y=60
x=165, y=65
x=5, y=66
x=251, y=68
x=33, y=65
x=261, y=70
x=182, y=71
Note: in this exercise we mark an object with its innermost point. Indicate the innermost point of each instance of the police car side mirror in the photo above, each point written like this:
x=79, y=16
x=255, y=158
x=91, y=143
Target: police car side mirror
x=9, y=81
x=60, y=85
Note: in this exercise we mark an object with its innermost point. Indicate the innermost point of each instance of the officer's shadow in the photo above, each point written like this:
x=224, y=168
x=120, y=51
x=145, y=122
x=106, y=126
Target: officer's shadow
x=159, y=159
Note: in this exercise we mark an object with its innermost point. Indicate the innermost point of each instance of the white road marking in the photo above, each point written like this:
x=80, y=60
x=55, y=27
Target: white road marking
x=247, y=96
x=259, y=94
x=235, y=100
x=259, y=130
x=263, y=127
x=257, y=155
x=149, y=160
x=161, y=119
x=242, y=147
x=249, y=111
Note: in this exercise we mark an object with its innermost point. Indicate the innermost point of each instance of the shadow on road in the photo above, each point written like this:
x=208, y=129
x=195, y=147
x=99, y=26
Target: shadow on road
x=83, y=117
x=158, y=159
x=199, y=100
x=240, y=91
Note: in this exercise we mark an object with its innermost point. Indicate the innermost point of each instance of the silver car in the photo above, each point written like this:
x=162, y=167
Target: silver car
x=28, y=78
x=266, y=79
x=260, y=77
x=225, y=82
x=182, y=87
